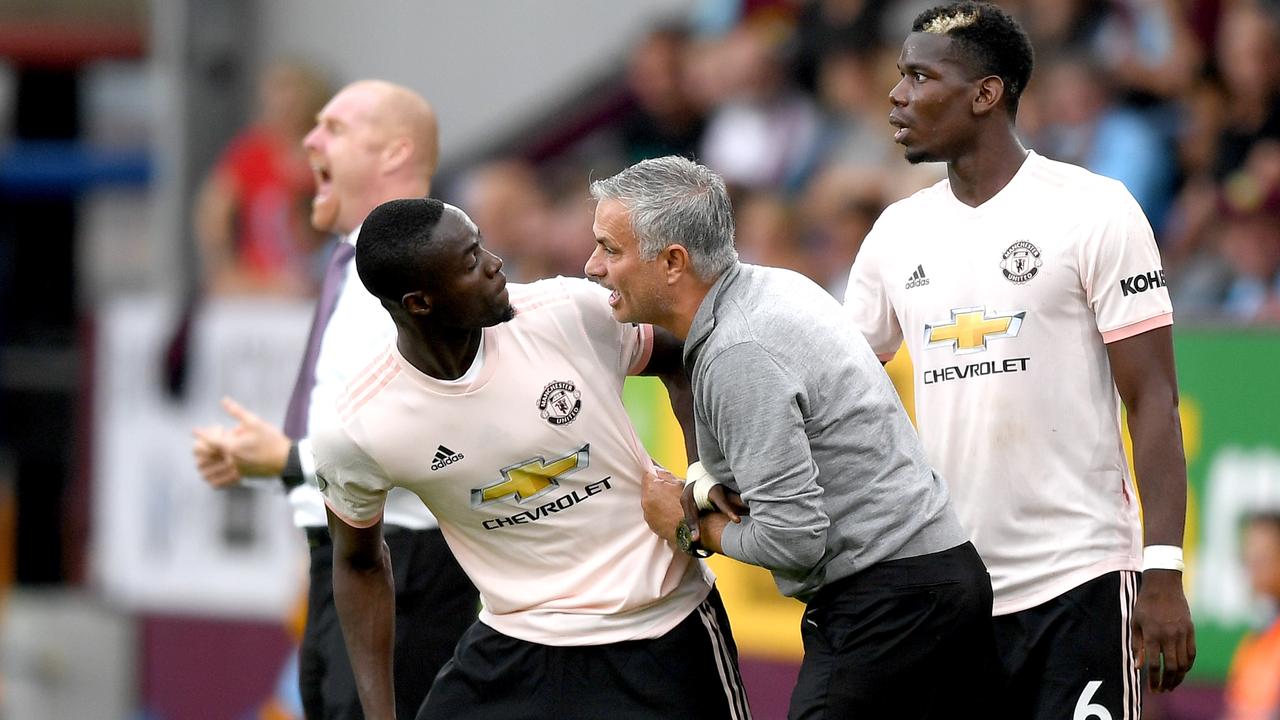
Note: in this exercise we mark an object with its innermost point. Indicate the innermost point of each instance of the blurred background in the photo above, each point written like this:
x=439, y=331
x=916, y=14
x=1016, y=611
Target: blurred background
x=155, y=255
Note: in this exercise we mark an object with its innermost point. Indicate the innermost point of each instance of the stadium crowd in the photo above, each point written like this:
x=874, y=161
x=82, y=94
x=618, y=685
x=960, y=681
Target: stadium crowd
x=788, y=101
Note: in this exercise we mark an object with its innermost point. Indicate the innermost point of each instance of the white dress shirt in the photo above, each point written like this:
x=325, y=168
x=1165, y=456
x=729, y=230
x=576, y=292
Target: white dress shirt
x=358, y=329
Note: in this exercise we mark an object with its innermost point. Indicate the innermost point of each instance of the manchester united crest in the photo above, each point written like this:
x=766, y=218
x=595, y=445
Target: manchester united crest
x=560, y=402
x=1020, y=262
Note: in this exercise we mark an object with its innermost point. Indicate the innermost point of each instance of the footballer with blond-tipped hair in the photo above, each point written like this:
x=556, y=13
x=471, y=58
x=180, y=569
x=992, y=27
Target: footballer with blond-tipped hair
x=1030, y=295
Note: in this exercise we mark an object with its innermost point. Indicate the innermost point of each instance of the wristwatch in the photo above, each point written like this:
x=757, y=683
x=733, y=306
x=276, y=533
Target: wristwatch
x=686, y=543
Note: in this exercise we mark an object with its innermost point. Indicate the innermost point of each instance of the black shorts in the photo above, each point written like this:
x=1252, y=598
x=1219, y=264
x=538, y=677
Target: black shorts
x=690, y=673
x=435, y=604
x=1070, y=657
x=907, y=638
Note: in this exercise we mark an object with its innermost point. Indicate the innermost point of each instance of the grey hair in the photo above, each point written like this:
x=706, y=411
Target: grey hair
x=676, y=201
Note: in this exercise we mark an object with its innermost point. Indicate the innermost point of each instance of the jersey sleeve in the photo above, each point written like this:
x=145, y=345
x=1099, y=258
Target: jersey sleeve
x=1121, y=273
x=624, y=346
x=867, y=301
x=354, y=486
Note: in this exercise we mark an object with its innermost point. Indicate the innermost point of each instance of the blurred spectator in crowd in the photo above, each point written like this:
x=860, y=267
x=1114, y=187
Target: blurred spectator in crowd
x=823, y=25
x=787, y=100
x=537, y=219
x=705, y=81
x=1148, y=48
x=1235, y=271
x=505, y=197
x=1203, y=115
x=665, y=120
x=768, y=233
x=1085, y=126
x=1253, y=685
x=572, y=213
x=1126, y=127
x=839, y=208
x=1251, y=246
x=851, y=92
x=766, y=135
x=1224, y=117
x=251, y=216
x=1249, y=63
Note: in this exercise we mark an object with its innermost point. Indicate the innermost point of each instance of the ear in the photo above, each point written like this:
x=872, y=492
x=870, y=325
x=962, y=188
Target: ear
x=990, y=93
x=416, y=303
x=397, y=153
x=675, y=263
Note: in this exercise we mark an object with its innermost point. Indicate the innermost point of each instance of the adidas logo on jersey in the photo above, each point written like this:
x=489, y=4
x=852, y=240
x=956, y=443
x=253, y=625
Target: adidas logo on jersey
x=444, y=457
x=917, y=278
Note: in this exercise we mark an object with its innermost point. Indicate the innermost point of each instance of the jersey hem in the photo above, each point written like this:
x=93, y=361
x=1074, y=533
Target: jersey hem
x=1063, y=584
x=549, y=631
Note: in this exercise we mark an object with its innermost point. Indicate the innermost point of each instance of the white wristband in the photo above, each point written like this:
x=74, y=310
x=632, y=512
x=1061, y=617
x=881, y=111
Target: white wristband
x=1162, y=557
x=702, y=484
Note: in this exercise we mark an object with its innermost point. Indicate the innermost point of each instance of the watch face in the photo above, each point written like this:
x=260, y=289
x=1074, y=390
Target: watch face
x=684, y=537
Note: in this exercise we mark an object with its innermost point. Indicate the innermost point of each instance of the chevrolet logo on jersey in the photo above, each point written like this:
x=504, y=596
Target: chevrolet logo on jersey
x=532, y=478
x=970, y=329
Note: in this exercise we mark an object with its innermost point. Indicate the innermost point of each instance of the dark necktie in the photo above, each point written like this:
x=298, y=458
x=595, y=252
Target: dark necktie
x=295, y=420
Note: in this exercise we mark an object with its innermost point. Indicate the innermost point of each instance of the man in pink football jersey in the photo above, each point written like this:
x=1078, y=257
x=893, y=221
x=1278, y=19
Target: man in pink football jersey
x=501, y=409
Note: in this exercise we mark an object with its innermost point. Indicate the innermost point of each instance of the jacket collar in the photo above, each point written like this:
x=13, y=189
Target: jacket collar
x=704, y=320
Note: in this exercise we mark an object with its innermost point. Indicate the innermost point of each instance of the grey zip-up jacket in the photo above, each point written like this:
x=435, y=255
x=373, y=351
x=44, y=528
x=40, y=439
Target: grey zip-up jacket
x=795, y=412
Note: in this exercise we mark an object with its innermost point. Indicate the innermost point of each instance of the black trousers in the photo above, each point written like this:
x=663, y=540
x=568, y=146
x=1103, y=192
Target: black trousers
x=690, y=673
x=435, y=604
x=903, y=639
x=1071, y=656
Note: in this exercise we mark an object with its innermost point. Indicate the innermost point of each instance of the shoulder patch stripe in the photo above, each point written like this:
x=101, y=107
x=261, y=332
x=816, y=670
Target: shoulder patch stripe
x=373, y=369
x=367, y=379
x=362, y=382
x=368, y=395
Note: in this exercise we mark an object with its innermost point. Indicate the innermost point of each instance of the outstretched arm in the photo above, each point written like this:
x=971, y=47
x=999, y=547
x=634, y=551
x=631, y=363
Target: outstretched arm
x=1143, y=369
x=364, y=594
x=256, y=447
x=253, y=448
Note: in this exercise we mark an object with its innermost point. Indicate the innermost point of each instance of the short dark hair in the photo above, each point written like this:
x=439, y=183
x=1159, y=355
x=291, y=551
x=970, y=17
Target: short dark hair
x=392, y=244
x=993, y=41
x=1264, y=517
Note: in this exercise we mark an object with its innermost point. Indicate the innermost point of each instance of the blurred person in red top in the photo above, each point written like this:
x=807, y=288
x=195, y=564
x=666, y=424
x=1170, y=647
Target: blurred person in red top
x=1253, y=685
x=251, y=216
